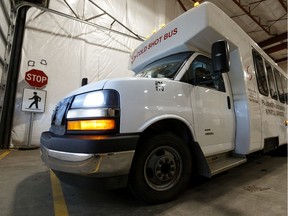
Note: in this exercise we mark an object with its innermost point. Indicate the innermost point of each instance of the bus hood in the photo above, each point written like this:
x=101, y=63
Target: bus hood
x=89, y=87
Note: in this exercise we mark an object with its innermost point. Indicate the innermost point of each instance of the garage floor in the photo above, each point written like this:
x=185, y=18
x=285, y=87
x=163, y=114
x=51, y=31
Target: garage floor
x=27, y=187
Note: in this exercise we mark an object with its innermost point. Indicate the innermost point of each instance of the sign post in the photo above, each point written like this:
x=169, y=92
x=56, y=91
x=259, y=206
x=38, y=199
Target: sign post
x=33, y=100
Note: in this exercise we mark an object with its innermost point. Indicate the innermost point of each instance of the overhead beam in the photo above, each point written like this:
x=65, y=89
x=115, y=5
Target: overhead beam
x=276, y=39
x=283, y=4
x=257, y=21
x=133, y=35
x=71, y=9
x=116, y=20
x=182, y=6
x=280, y=60
x=276, y=48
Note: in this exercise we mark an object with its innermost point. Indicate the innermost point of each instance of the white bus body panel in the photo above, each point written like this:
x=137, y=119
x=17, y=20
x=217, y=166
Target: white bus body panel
x=197, y=29
x=147, y=101
x=144, y=101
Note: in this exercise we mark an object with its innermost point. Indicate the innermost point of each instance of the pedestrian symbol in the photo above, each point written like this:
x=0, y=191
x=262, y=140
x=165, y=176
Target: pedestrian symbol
x=33, y=100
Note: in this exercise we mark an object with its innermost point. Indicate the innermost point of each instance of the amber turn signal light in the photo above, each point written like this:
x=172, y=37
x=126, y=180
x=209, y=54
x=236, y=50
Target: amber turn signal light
x=99, y=124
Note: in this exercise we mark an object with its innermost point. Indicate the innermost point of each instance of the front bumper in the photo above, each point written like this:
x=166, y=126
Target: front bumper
x=89, y=155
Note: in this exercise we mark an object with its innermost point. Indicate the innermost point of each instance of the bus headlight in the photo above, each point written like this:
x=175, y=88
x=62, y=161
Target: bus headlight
x=103, y=98
x=94, y=111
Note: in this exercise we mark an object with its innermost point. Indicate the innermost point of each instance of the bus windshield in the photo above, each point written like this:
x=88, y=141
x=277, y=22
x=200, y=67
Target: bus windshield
x=166, y=67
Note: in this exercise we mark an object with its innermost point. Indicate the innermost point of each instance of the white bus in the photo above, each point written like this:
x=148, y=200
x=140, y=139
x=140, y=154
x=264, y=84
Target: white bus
x=187, y=109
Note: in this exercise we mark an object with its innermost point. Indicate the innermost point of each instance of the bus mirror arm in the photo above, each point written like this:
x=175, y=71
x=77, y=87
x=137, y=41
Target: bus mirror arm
x=220, y=56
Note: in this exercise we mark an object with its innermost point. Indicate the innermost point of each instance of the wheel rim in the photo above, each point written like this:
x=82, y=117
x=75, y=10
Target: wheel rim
x=163, y=168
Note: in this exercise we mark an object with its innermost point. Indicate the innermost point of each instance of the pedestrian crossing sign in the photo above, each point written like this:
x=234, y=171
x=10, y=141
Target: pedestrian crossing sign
x=33, y=100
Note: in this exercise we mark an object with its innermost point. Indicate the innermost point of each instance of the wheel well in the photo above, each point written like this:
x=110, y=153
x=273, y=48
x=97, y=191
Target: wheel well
x=169, y=125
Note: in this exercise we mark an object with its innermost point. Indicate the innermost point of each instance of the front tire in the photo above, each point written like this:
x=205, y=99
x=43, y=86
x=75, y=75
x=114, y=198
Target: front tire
x=161, y=169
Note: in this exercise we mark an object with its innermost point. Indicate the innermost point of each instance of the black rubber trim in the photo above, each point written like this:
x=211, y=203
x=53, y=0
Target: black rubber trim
x=89, y=143
x=90, y=182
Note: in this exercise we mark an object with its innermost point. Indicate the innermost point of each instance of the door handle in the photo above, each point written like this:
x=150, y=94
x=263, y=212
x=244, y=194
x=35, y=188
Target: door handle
x=228, y=102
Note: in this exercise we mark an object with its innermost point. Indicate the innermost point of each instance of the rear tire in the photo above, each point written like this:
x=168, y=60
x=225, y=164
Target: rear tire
x=161, y=169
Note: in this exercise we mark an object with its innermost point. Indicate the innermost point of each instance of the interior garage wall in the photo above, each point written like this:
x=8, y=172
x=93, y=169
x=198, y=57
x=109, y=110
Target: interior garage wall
x=68, y=50
x=5, y=10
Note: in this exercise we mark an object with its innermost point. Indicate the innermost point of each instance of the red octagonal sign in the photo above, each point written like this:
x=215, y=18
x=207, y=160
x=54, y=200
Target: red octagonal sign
x=36, y=78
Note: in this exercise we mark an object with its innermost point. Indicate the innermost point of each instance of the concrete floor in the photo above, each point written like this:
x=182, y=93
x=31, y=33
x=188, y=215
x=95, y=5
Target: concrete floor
x=258, y=187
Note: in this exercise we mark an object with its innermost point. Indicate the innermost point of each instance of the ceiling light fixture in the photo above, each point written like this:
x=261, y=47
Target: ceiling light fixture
x=196, y=4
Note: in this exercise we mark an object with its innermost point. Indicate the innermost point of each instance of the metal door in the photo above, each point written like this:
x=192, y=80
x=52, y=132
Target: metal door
x=212, y=106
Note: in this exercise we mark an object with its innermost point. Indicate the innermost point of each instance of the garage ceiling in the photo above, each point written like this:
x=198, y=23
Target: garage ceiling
x=265, y=21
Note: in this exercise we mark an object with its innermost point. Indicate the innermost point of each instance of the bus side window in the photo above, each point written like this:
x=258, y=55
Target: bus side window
x=281, y=93
x=271, y=81
x=260, y=73
x=285, y=88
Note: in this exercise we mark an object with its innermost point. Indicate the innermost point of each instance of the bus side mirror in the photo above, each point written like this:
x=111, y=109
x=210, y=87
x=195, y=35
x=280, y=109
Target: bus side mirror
x=220, y=56
x=84, y=81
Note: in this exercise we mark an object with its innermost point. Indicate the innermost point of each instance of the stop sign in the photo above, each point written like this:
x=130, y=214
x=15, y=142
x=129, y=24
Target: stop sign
x=36, y=78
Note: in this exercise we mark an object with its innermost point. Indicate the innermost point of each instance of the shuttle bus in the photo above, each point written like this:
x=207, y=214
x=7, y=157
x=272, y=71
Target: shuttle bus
x=204, y=96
